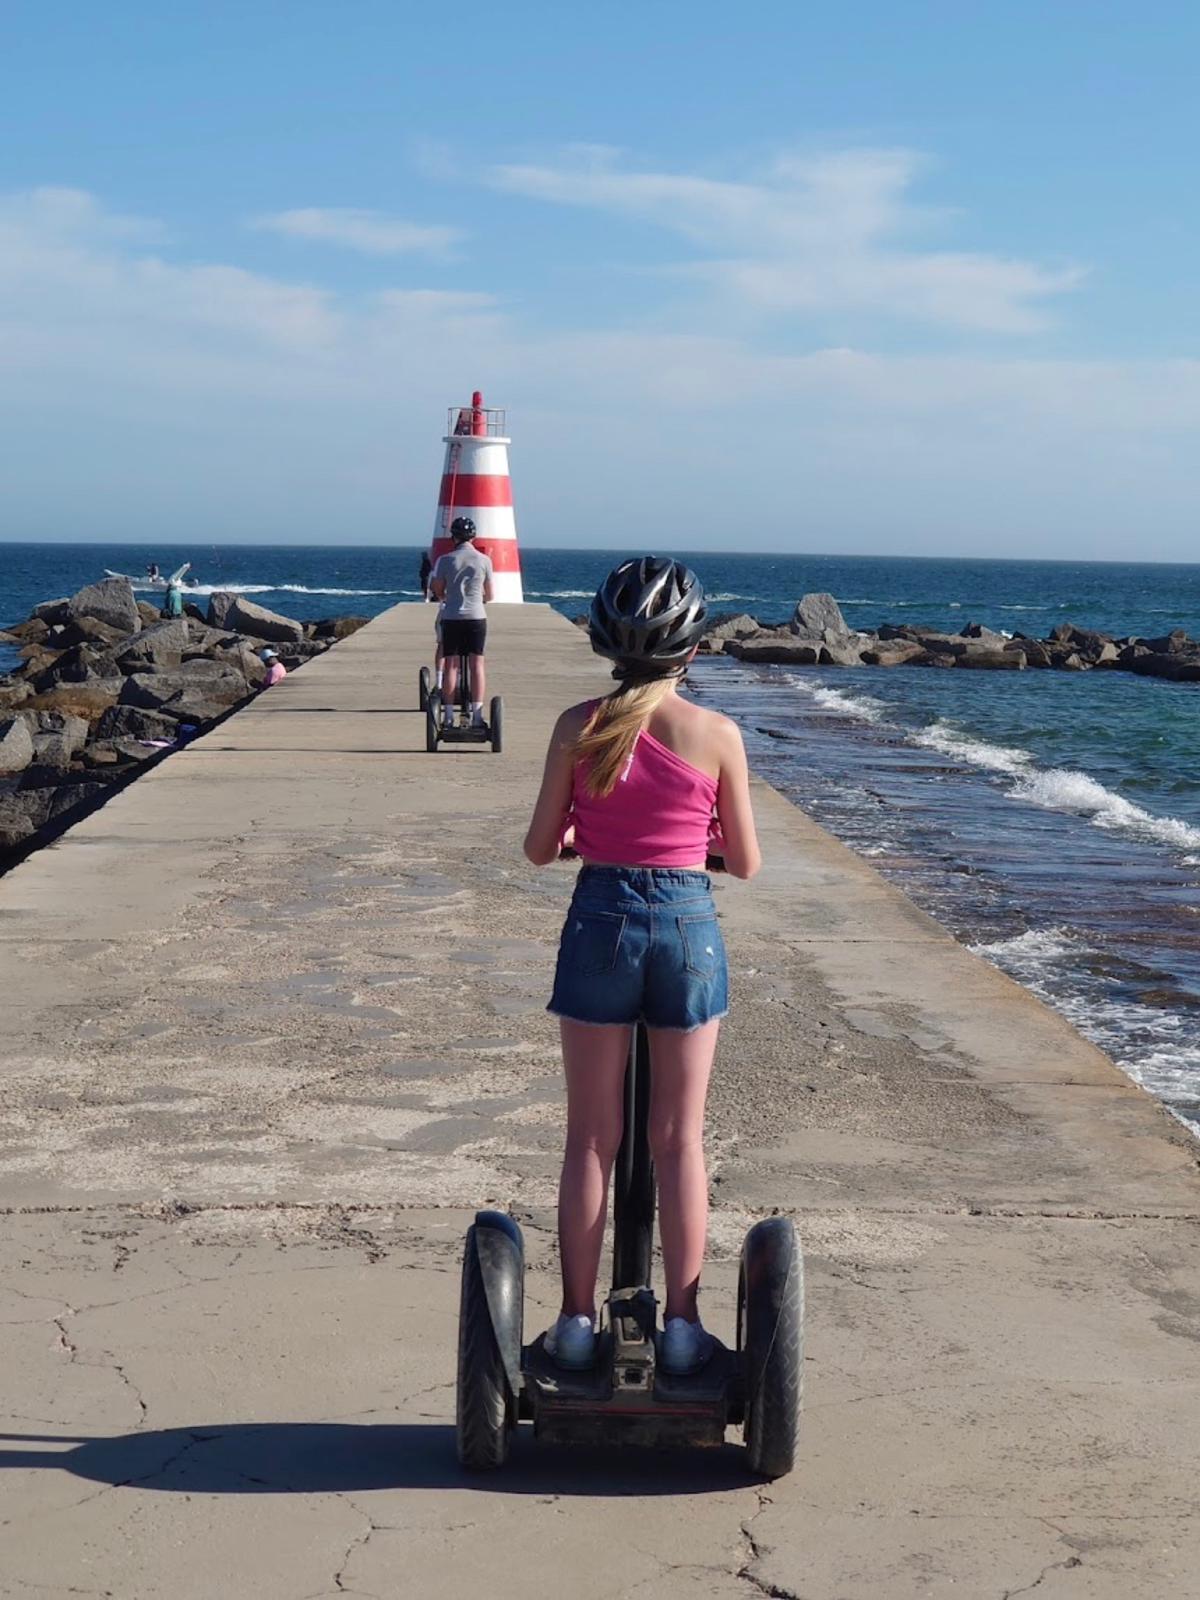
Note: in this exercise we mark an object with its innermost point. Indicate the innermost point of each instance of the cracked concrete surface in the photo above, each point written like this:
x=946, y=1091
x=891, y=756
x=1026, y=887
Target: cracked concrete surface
x=273, y=1028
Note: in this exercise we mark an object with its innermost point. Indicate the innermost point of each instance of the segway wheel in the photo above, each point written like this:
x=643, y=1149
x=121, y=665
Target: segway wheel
x=486, y=1410
x=424, y=685
x=496, y=723
x=771, y=1342
x=433, y=711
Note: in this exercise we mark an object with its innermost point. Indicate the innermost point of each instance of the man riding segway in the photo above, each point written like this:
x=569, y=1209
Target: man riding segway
x=462, y=582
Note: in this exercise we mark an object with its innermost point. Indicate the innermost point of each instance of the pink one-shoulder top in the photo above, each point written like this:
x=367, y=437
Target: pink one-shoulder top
x=659, y=814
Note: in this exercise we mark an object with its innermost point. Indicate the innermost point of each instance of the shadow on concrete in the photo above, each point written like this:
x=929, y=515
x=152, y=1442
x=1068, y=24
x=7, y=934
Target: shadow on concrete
x=337, y=1457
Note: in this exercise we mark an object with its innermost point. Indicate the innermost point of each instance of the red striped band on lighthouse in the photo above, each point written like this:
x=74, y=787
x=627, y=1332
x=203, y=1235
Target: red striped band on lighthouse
x=476, y=484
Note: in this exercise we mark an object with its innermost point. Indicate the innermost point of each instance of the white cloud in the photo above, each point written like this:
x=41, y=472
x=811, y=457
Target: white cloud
x=372, y=233
x=812, y=234
x=141, y=394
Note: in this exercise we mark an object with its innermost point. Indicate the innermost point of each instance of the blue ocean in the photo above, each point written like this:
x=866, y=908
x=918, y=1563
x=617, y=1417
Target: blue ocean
x=1051, y=820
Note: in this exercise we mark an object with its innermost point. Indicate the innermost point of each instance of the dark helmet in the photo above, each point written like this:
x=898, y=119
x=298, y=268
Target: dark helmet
x=648, y=612
x=462, y=528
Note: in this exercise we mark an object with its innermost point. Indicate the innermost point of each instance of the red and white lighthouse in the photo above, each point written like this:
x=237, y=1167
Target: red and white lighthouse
x=476, y=484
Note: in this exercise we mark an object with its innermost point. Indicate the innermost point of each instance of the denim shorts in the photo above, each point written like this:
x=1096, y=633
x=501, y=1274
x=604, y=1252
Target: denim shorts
x=641, y=944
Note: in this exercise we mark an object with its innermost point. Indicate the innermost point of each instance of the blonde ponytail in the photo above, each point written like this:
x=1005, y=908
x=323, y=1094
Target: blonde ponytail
x=612, y=730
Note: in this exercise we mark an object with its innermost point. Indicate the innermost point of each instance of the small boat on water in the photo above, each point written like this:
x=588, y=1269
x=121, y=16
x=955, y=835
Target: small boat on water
x=151, y=578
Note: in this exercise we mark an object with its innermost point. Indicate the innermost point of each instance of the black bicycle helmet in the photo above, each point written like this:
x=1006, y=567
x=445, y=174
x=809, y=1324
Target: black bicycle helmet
x=648, y=613
x=462, y=528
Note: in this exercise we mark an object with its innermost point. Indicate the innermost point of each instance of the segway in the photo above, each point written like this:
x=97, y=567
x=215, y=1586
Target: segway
x=462, y=730
x=626, y=1397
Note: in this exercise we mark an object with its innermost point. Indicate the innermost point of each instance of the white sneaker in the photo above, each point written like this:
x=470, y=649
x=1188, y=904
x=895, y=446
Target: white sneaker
x=684, y=1346
x=571, y=1342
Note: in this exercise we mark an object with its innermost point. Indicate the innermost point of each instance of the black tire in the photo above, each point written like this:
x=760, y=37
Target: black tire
x=771, y=1341
x=433, y=712
x=483, y=1411
x=496, y=723
x=424, y=685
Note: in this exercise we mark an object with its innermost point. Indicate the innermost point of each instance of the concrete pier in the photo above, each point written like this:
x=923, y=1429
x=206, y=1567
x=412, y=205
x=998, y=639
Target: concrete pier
x=272, y=1028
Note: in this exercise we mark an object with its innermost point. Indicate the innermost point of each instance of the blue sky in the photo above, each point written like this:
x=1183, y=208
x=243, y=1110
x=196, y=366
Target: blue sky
x=898, y=279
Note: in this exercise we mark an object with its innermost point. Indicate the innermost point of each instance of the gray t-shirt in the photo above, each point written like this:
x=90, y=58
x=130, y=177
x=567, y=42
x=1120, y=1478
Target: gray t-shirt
x=464, y=572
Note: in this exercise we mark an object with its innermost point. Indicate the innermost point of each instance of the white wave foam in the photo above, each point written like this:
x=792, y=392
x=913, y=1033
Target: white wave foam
x=561, y=594
x=948, y=741
x=859, y=706
x=1029, y=951
x=1060, y=789
x=269, y=588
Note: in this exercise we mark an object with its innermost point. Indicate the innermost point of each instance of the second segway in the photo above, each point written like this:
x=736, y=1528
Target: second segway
x=459, y=728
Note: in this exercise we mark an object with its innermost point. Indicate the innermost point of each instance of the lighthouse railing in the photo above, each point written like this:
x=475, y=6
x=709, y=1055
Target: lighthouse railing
x=479, y=422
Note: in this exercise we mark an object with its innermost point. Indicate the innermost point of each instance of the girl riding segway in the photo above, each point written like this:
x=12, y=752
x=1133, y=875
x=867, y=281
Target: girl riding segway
x=641, y=781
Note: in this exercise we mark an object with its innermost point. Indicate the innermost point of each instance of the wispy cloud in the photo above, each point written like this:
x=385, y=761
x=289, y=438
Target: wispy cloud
x=810, y=234
x=140, y=392
x=372, y=233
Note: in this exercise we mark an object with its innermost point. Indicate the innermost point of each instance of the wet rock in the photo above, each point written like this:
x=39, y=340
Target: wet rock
x=986, y=636
x=779, y=652
x=992, y=660
x=1173, y=643
x=16, y=744
x=1175, y=665
x=111, y=601
x=943, y=644
x=933, y=658
x=52, y=612
x=894, y=652
x=848, y=654
x=1034, y=651
x=818, y=618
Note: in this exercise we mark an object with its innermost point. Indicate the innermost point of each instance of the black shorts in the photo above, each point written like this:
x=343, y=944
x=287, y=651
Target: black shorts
x=463, y=636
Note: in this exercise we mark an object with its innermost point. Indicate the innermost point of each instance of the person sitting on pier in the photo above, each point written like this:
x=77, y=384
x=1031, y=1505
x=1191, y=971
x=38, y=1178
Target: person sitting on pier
x=276, y=671
x=462, y=582
x=638, y=777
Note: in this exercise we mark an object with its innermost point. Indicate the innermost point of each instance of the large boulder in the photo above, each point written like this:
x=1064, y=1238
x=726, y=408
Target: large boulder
x=82, y=663
x=196, y=691
x=160, y=646
x=837, y=654
x=1174, y=643
x=53, y=611
x=777, y=652
x=891, y=652
x=992, y=660
x=1034, y=651
x=738, y=625
x=818, y=618
x=57, y=737
x=987, y=637
x=1167, y=664
x=148, y=613
x=111, y=601
x=87, y=700
x=219, y=606
x=944, y=644
x=85, y=630
x=245, y=617
x=334, y=628
x=16, y=744
x=134, y=722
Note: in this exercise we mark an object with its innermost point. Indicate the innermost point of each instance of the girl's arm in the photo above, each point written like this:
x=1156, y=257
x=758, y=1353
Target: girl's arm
x=554, y=799
x=734, y=812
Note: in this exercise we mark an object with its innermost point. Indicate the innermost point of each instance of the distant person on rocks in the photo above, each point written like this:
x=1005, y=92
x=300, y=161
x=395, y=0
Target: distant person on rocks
x=633, y=782
x=462, y=582
x=276, y=670
x=173, y=604
x=152, y=571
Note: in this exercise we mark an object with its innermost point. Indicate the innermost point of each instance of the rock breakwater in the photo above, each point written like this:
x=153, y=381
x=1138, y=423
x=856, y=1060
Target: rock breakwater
x=107, y=686
x=818, y=635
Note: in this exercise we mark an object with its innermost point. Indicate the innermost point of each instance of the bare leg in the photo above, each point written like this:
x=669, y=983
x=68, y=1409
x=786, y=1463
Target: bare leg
x=478, y=679
x=449, y=680
x=594, y=1059
x=680, y=1064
